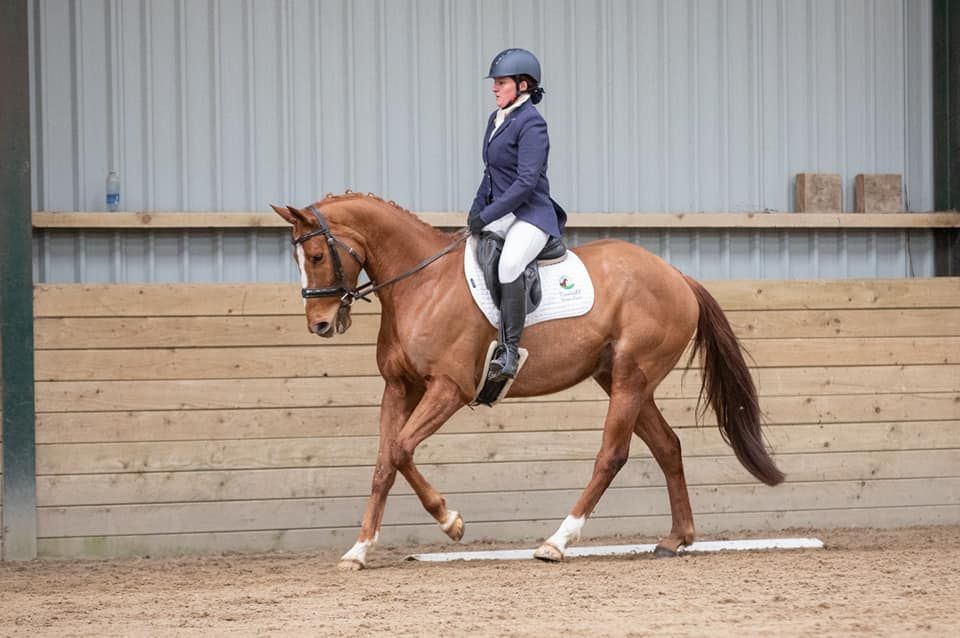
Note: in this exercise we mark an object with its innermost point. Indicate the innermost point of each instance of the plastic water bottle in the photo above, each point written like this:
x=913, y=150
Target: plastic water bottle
x=113, y=191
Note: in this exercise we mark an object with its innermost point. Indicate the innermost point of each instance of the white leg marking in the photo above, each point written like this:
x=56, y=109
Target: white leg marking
x=301, y=261
x=569, y=531
x=359, y=550
x=451, y=519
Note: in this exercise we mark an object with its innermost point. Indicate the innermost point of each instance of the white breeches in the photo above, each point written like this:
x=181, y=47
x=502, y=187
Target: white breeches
x=522, y=243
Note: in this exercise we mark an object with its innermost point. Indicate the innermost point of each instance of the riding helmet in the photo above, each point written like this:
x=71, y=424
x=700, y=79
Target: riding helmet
x=514, y=62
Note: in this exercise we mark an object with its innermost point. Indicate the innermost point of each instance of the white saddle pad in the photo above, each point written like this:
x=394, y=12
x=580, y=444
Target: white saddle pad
x=567, y=289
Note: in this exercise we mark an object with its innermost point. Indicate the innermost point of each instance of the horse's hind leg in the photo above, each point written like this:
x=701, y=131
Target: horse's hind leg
x=613, y=454
x=665, y=447
x=664, y=444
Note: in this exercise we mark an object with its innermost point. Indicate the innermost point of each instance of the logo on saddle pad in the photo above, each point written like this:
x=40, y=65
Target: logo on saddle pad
x=570, y=290
x=571, y=296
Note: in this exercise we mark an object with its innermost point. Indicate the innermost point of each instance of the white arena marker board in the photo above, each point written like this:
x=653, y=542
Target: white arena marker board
x=617, y=550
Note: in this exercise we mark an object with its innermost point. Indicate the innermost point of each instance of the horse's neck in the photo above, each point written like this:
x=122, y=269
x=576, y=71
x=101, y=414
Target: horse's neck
x=395, y=240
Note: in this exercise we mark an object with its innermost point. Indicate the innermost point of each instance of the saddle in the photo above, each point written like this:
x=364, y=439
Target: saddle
x=558, y=286
x=489, y=247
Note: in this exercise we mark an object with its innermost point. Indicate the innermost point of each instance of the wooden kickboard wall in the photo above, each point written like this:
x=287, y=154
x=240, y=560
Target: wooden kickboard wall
x=197, y=418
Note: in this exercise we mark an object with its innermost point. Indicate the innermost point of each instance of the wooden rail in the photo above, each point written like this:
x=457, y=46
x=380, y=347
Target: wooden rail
x=188, y=220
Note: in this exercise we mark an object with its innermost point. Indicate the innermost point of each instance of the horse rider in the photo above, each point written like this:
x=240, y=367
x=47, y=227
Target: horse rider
x=513, y=200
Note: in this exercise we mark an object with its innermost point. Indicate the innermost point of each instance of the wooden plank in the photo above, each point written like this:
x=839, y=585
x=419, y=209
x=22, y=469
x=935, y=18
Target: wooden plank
x=777, y=324
x=512, y=416
x=171, y=332
x=65, y=396
x=939, y=292
x=156, y=219
x=91, y=396
x=762, y=220
x=211, y=363
x=451, y=479
x=178, y=518
x=449, y=219
x=169, y=456
x=175, y=300
x=360, y=360
x=524, y=533
x=851, y=351
x=144, y=300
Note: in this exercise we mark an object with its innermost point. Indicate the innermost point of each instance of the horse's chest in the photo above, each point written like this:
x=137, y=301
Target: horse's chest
x=413, y=346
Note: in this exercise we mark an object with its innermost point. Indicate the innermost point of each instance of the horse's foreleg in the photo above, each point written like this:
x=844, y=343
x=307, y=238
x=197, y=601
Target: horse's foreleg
x=406, y=419
x=395, y=407
x=450, y=520
x=439, y=403
x=665, y=447
x=614, y=452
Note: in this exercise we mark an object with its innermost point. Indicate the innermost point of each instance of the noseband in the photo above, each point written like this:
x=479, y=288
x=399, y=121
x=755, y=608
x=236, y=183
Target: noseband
x=339, y=287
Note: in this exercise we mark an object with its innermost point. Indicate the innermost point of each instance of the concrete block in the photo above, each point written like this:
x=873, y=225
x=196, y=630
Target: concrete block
x=878, y=193
x=819, y=193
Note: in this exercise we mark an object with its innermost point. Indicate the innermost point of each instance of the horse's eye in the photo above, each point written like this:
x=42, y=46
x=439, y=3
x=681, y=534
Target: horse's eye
x=316, y=258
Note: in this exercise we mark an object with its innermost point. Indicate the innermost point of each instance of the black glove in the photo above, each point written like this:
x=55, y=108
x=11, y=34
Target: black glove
x=475, y=223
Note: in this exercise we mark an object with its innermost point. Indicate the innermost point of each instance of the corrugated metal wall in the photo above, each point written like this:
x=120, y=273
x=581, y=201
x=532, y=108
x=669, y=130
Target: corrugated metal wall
x=656, y=105
x=264, y=255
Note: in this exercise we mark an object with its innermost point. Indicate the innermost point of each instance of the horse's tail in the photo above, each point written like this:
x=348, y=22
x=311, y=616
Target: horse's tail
x=729, y=387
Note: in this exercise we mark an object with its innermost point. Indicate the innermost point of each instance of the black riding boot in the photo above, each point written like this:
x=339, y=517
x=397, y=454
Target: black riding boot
x=513, y=312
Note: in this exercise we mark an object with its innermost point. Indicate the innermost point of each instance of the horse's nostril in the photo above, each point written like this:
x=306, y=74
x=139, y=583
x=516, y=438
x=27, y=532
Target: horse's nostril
x=321, y=328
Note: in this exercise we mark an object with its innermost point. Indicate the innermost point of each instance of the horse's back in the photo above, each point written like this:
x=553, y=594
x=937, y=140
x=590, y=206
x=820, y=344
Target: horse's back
x=644, y=314
x=651, y=298
x=641, y=275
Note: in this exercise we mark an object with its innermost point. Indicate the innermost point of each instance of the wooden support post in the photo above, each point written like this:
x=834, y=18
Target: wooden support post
x=946, y=130
x=19, y=523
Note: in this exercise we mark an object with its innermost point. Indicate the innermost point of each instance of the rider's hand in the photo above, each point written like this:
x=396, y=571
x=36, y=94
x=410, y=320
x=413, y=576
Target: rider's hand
x=475, y=223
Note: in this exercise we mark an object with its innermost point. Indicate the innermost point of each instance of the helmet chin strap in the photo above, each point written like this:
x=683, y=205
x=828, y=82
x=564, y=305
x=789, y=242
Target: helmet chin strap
x=516, y=84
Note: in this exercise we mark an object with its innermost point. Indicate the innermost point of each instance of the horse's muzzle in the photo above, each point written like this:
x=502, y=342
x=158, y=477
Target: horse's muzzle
x=322, y=329
x=340, y=324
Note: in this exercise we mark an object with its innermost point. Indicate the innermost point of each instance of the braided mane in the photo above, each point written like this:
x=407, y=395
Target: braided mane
x=330, y=198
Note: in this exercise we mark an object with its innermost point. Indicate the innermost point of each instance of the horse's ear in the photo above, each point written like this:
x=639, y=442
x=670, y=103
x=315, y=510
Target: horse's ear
x=283, y=212
x=291, y=215
x=300, y=215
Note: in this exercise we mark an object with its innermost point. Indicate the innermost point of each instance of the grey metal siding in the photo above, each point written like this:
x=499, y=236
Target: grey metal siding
x=263, y=255
x=653, y=105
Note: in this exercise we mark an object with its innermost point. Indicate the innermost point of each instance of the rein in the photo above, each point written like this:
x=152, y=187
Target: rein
x=339, y=287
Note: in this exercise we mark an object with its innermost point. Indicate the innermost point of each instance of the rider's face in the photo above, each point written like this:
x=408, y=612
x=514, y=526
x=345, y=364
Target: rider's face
x=505, y=90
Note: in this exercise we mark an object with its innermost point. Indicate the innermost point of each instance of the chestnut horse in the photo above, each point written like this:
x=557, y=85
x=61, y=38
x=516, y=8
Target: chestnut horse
x=433, y=340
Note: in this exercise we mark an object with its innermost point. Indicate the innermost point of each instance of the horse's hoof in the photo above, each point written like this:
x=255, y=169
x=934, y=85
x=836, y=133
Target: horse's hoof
x=548, y=553
x=350, y=565
x=455, y=531
x=664, y=552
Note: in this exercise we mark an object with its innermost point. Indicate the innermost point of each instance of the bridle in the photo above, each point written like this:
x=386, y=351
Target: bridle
x=339, y=288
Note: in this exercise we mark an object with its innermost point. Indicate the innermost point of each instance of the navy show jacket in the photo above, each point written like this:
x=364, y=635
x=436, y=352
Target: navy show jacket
x=515, y=177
